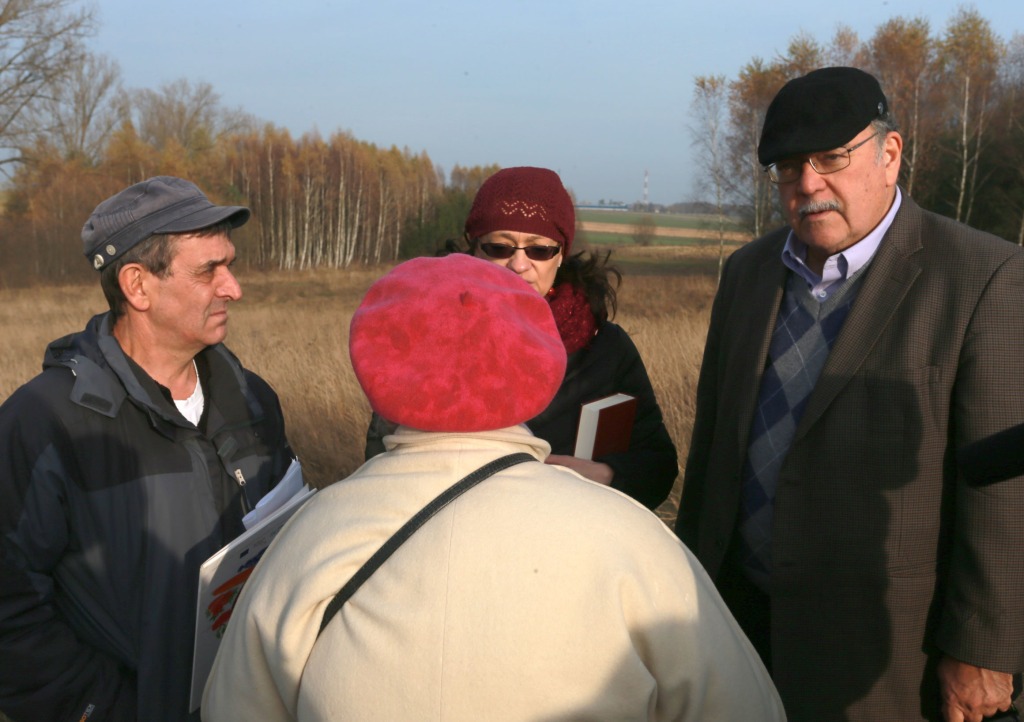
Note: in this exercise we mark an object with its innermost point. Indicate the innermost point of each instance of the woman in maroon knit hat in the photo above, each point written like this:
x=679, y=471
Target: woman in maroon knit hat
x=523, y=219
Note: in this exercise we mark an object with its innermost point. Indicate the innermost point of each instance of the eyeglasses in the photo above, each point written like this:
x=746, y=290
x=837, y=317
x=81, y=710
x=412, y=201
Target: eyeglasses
x=502, y=251
x=823, y=163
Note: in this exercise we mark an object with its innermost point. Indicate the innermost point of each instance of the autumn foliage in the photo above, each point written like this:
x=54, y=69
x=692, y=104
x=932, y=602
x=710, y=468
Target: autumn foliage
x=958, y=96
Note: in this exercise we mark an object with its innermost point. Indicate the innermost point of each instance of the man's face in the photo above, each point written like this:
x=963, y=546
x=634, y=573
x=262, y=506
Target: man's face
x=831, y=212
x=189, y=307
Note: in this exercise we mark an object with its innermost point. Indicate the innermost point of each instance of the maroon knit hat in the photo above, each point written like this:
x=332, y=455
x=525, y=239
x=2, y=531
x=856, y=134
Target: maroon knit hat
x=530, y=200
x=455, y=344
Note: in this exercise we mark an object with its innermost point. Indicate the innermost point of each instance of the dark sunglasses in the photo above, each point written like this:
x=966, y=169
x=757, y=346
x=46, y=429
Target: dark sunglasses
x=502, y=251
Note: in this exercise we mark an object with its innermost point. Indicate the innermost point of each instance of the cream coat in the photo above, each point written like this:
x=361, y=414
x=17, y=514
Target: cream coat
x=537, y=595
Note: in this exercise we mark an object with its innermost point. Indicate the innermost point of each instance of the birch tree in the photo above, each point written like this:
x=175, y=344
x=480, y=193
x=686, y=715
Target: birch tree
x=749, y=97
x=803, y=54
x=902, y=56
x=845, y=48
x=969, y=55
x=708, y=110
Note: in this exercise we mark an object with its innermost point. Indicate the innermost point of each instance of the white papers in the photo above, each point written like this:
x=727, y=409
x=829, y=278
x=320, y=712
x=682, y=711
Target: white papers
x=289, y=485
x=222, y=576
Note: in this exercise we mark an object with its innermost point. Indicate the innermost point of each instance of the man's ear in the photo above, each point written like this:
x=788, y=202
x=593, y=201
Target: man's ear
x=133, y=281
x=893, y=156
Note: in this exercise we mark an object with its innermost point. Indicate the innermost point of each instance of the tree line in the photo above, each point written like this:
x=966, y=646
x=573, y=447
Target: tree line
x=71, y=135
x=958, y=96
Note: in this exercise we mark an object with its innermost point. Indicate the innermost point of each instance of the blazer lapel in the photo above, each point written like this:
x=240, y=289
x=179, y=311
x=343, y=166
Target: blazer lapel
x=886, y=283
x=762, y=304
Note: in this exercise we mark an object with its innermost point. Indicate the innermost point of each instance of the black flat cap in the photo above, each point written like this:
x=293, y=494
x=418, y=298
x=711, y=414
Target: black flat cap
x=162, y=204
x=822, y=110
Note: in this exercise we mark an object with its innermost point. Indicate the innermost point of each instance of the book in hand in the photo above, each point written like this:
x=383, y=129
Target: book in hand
x=222, y=576
x=605, y=426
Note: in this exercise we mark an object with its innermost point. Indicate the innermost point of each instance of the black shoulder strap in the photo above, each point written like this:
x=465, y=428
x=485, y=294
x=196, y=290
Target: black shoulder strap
x=410, y=527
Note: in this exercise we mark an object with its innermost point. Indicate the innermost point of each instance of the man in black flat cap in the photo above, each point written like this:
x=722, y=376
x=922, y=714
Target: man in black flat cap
x=850, y=356
x=125, y=464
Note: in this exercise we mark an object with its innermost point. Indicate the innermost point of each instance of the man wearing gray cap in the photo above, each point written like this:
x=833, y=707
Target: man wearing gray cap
x=125, y=464
x=850, y=356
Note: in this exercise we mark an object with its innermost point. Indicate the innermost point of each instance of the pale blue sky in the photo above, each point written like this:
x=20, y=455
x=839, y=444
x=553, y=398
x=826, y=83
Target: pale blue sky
x=600, y=91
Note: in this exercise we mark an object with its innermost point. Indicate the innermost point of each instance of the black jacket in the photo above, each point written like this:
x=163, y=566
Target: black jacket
x=110, y=501
x=611, y=364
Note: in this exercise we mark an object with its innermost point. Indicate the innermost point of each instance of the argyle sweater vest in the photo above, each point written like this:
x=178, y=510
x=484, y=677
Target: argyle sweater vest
x=804, y=334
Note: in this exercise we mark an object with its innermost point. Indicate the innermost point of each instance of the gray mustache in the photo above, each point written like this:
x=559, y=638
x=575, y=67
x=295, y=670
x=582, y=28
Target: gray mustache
x=818, y=207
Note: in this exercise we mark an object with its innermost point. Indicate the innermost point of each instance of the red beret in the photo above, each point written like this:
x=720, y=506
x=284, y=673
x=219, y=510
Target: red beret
x=525, y=199
x=456, y=344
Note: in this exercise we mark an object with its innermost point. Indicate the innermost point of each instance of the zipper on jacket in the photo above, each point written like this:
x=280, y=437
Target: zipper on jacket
x=241, y=485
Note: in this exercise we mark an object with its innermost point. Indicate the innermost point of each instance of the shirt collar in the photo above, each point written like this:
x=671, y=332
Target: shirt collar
x=844, y=264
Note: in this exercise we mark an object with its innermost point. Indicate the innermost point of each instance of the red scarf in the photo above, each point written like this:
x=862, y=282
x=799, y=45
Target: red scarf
x=575, y=321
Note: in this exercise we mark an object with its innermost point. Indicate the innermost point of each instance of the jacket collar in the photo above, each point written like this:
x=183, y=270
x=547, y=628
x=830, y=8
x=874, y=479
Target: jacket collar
x=104, y=378
x=517, y=438
x=888, y=280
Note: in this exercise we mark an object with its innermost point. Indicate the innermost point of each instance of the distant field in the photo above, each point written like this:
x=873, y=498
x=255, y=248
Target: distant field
x=617, y=229
x=661, y=220
x=692, y=259
x=608, y=235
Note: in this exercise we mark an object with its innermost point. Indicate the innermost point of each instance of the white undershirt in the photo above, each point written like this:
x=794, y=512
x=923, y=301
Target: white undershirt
x=192, y=407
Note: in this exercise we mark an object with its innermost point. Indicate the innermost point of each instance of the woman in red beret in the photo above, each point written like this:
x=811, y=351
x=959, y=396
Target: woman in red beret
x=523, y=219
x=517, y=591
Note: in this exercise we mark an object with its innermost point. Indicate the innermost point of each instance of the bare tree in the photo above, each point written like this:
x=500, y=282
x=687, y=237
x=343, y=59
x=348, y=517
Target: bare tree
x=190, y=115
x=709, y=108
x=84, y=111
x=40, y=43
x=749, y=97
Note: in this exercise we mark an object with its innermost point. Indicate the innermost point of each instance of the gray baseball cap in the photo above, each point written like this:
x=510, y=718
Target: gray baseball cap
x=162, y=204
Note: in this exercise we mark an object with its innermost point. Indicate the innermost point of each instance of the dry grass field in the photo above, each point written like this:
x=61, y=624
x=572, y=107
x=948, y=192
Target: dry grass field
x=292, y=328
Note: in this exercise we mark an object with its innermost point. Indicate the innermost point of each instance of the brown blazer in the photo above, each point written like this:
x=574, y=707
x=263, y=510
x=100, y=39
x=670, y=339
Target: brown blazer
x=883, y=556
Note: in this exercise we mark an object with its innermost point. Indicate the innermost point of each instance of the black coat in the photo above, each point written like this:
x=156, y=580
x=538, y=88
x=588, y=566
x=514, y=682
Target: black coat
x=109, y=502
